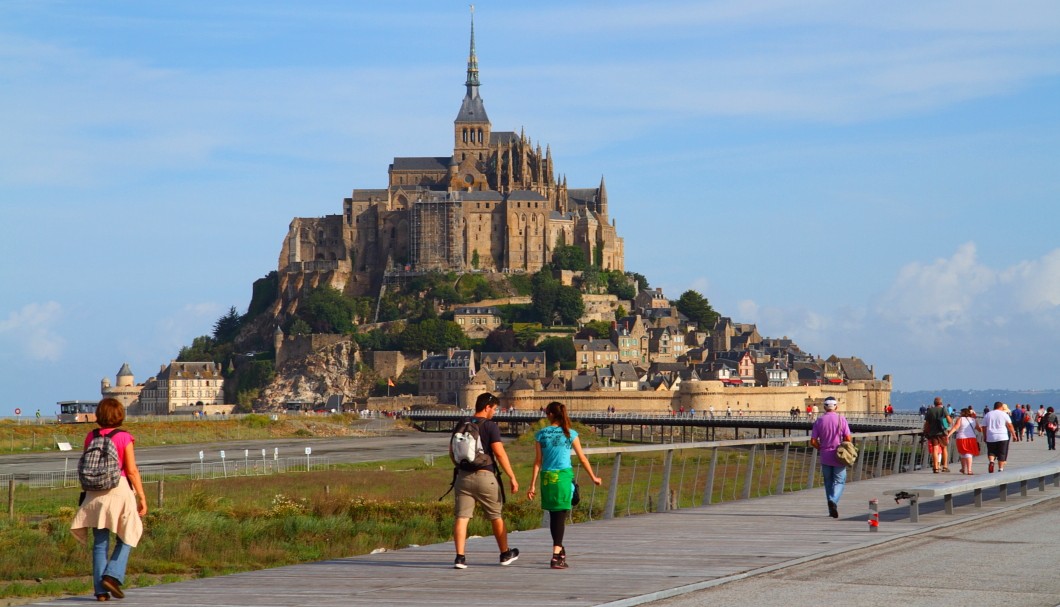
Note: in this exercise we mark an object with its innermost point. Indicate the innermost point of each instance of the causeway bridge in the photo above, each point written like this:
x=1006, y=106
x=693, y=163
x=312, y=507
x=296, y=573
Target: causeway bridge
x=777, y=549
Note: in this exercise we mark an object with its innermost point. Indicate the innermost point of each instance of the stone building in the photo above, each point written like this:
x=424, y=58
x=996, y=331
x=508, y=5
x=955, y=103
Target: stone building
x=125, y=389
x=477, y=321
x=446, y=375
x=494, y=203
x=184, y=388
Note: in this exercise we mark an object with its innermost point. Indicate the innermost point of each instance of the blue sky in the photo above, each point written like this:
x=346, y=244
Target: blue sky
x=866, y=178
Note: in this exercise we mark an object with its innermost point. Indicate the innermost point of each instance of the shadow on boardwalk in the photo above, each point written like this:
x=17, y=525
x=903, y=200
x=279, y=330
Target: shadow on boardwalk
x=625, y=561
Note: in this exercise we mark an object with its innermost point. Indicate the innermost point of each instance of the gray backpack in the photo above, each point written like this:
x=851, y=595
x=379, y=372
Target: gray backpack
x=98, y=468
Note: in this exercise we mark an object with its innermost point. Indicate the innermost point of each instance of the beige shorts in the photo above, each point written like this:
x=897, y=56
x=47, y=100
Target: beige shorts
x=477, y=488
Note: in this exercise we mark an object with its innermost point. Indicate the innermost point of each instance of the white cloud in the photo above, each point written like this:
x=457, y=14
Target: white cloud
x=934, y=297
x=32, y=330
x=1035, y=284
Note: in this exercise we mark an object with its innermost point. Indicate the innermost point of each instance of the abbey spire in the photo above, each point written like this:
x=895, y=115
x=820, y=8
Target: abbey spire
x=472, y=110
x=471, y=133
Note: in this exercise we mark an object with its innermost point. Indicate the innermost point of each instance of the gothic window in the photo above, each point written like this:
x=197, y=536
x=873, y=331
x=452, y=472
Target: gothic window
x=465, y=135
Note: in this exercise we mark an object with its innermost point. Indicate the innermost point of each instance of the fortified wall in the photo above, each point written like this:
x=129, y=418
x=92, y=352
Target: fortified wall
x=855, y=397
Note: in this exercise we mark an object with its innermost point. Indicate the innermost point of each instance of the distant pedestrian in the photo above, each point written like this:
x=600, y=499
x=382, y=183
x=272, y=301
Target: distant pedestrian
x=112, y=510
x=1038, y=415
x=965, y=429
x=1051, y=424
x=483, y=486
x=828, y=433
x=1017, y=422
x=553, y=445
x=998, y=430
x=728, y=411
x=1028, y=423
x=936, y=424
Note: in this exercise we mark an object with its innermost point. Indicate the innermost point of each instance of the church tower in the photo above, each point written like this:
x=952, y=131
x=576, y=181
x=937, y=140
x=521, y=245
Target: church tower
x=472, y=126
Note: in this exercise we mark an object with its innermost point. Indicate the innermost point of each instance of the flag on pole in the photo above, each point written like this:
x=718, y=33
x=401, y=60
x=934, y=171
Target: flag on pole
x=389, y=382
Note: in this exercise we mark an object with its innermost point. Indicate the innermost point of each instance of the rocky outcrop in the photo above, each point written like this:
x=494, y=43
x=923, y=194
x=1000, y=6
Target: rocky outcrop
x=325, y=371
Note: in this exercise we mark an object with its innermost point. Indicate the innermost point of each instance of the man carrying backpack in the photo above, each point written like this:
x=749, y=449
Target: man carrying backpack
x=477, y=480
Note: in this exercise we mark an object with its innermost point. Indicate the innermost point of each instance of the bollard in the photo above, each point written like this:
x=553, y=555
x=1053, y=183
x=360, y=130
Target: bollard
x=874, y=515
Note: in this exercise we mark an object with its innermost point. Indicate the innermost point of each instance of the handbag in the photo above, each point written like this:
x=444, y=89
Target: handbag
x=575, y=496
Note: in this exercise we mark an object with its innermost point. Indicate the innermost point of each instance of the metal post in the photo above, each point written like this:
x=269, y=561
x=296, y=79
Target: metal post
x=612, y=489
x=783, y=469
x=664, y=488
x=11, y=498
x=749, y=475
x=708, y=491
x=877, y=470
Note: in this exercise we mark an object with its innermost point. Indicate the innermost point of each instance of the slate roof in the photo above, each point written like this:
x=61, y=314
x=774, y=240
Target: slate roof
x=480, y=195
x=421, y=163
x=480, y=310
x=472, y=110
x=502, y=137
x=512, y=357
x=460, y=359
x=522, y=195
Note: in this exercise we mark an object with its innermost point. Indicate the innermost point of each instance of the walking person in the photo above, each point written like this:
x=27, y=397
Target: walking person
x=965, y=428
x=118, y=510
x=1028, y=422
x=1050, y=423
x=553, y=445
x=829, y=431
x=998, y=430
x=936, y=424
x=482, y=485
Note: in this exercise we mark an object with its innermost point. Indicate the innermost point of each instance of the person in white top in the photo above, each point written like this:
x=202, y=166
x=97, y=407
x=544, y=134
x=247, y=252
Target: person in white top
x=998, y=430
x=967, y=439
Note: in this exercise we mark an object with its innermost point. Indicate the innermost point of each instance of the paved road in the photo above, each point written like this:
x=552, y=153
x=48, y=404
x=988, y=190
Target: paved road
x=1006, y=559
x=339, y=450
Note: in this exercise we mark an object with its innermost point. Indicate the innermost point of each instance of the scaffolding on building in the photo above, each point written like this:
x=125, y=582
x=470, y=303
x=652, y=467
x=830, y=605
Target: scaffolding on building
x=434, y=239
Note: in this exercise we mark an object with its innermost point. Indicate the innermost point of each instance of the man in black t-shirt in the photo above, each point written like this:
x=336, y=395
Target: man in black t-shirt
x=936, y=422
x=482, y=487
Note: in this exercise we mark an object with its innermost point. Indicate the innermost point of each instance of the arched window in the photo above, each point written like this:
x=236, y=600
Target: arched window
x=465, y=135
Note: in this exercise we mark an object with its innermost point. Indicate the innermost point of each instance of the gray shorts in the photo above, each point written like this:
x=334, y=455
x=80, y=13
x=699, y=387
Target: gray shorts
x=477, y=488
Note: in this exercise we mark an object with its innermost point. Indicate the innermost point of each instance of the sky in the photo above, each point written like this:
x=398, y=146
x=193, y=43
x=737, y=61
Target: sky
x=869, y=179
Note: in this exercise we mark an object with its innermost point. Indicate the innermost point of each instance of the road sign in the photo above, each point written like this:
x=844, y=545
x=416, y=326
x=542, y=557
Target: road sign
x=18, y=411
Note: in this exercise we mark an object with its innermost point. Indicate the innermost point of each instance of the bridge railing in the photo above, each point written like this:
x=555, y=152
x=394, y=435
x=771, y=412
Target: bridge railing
x=656, y=478
x=899, y=419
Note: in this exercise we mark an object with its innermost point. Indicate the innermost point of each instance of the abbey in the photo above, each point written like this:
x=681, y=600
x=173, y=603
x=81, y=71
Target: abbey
x=494, y=204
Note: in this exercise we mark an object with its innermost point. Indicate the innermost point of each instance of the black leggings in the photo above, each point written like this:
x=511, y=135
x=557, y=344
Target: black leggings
x=557, y=523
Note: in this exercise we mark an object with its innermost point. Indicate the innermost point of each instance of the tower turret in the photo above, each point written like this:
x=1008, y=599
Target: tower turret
x=471, y=129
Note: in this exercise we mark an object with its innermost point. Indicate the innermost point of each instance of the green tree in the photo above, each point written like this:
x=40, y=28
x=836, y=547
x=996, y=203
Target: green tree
x=227, y=327
x=569, y=305
x=543, y=297
x=327, y=310
x=620, y=285
x=299, y=327
x=200, y=350
x=557, y=350
x=263, y=294
x=433, y=335
x=620, y=313
x=500, y=340
x=599, y=329
x=569, y=257
x=696, y=307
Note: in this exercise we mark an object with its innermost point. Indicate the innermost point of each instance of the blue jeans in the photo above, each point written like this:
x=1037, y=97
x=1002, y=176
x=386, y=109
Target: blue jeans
x=115, y=567
x=835, y=478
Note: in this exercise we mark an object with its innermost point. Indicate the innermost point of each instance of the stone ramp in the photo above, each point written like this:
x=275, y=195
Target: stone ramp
x=624, y=561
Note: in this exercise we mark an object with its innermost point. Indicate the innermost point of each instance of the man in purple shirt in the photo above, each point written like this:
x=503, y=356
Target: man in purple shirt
x=829, y=431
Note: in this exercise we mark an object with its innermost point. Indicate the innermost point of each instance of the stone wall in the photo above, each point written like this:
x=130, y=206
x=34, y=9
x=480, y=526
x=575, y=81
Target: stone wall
x=298, y=347
x=857, y=397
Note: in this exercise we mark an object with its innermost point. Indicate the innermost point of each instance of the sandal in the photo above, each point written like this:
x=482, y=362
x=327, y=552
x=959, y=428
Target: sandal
x=945, y=469
x=103, y=597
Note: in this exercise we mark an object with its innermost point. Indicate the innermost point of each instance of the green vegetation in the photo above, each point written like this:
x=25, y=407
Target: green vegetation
x=569, y=257
x=696, y=307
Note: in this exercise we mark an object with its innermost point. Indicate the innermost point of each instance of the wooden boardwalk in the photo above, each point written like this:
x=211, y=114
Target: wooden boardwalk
x=626, y=561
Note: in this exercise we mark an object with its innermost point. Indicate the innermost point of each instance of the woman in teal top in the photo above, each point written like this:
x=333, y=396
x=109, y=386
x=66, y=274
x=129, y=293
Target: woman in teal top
x=552, y=463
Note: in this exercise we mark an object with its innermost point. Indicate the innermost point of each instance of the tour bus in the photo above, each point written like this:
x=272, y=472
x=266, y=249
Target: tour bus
x=77, y=411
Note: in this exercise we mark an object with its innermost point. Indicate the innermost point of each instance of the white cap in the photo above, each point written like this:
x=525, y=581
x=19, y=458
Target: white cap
x=830, y=403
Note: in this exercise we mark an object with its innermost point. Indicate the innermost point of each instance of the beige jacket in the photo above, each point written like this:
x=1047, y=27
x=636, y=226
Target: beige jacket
x=114, y=509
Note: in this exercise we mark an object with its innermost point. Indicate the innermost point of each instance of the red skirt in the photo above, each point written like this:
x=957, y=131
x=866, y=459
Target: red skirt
x=968, y=446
